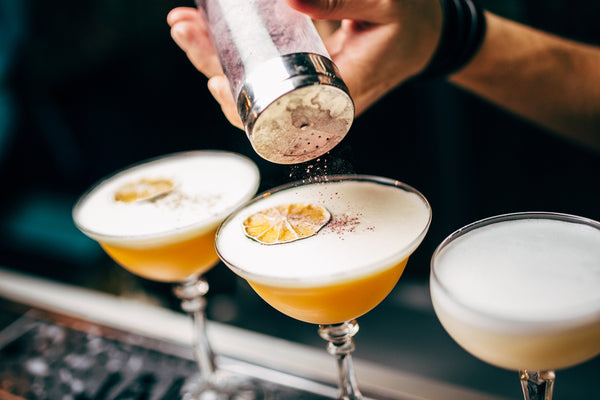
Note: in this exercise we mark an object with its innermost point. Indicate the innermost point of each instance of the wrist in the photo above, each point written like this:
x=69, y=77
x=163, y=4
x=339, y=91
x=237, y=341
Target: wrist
x=463, y=31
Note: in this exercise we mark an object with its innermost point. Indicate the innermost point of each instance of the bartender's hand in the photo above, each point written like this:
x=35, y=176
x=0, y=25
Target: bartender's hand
x=549, y=80
x=378, y=45
x=190, y=32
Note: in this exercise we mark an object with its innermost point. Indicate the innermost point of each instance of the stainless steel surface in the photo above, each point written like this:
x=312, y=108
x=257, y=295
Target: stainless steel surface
x=291, y=366
x=290, y=98
x=295, y=108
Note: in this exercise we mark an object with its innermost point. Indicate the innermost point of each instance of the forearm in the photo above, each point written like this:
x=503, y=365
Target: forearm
x=549, y=80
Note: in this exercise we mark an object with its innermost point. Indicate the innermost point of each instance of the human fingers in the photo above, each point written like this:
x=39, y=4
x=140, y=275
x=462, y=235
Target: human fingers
x=369, y=34
x=189, y=31
x=181, y=13
x=221, y=90
x=379, y=44
x=363, y=10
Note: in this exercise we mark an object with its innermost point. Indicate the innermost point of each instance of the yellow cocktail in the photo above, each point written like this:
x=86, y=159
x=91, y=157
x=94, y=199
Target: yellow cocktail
x=171, y=262
x=335, y=303
x=326, y=252
x=158, y=219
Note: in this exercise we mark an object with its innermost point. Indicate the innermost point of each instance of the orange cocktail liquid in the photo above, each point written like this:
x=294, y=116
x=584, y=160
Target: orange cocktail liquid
x=332, y=304
x=173, y=262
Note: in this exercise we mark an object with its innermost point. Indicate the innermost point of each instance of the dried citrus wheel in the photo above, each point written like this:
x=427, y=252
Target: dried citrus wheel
x=144, y=189
x=286, y=223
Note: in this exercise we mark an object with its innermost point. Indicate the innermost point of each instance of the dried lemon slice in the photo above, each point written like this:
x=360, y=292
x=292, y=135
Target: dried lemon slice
x=144, y=189
x=286, y=223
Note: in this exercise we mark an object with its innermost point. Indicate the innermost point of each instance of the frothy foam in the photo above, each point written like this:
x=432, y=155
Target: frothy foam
x=524, y=270
x=207, y=186
x=373, y=227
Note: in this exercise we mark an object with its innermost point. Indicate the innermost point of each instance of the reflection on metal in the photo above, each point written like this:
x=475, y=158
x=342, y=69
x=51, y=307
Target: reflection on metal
x=62, y=333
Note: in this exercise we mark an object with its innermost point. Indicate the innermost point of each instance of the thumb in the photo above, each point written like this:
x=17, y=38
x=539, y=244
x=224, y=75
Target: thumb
x=363, y=10
x=219, y=87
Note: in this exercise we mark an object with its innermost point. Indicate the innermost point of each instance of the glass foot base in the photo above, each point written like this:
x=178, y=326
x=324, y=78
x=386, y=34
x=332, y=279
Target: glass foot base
x=224, y=386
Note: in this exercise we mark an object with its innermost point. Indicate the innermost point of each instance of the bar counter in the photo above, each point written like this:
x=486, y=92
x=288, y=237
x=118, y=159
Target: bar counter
x=64, y=341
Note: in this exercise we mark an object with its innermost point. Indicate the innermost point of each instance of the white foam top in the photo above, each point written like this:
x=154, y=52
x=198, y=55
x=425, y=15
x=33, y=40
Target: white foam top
x=530, y=269
x=208, y=186
x=373, y=227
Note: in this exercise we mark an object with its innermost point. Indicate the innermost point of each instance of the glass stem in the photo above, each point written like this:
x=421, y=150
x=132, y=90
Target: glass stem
x=341, y=345
x=191, y=293
x=537, y=385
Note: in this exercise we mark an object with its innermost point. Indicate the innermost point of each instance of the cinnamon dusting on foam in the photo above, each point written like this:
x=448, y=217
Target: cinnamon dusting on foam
x=373, y=226
x=176, y=200
x=345, y=224
x=162, y=194
x=206, y=186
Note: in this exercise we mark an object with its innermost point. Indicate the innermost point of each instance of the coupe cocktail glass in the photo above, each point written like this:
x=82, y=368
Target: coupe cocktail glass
x=521, y=292
x=158, y=219
x=344, y=270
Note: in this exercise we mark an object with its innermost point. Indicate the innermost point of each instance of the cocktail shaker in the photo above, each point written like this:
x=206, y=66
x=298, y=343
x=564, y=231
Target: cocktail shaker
x=290, y=98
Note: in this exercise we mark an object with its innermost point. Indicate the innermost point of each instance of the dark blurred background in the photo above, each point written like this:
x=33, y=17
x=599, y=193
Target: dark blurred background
x=87, y=88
